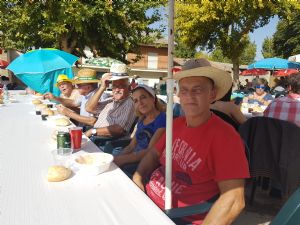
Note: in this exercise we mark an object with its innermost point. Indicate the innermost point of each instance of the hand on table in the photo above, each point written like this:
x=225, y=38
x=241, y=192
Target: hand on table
x=63, y=110
x=49, y=96
x=137, y=179
x=88, y=133
x=120, y=160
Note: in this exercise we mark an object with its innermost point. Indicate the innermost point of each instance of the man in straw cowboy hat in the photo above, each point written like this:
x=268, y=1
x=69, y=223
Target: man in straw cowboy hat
x=116, y=114
x=208, y=156
x=86, y=82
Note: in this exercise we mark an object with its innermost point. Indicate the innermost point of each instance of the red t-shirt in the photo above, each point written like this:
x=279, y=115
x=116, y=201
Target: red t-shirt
x=202, y=156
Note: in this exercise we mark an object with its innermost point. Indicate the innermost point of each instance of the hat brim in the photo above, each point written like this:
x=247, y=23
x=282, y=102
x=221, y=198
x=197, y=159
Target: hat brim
x=85, y=81
x=118, y=77
x=56, y=85
x=222, y=79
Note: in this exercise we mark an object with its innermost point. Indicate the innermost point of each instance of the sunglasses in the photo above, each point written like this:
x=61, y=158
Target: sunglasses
x=260, y=86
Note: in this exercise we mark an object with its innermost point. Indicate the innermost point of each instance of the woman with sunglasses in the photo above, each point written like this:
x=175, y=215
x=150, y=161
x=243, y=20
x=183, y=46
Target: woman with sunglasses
x=260, y=96
x=150, y=127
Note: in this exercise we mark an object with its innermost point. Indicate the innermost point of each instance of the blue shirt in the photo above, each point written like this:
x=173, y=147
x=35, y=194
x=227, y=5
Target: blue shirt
x=144, y=133
x=267, y=97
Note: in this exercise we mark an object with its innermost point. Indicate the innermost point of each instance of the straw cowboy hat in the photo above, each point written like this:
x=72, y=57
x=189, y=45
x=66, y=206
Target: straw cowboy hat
x=62, y=78
x=203, y=68
x=118, y=71
x=85, y=76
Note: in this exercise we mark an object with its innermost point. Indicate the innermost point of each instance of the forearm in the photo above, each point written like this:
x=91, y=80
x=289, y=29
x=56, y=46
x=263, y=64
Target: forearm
x=133, y=157
x=92, y=103
x=82, y=119
x=149, y=162
x=66, y=102
x=226, y=209
x=113, y=130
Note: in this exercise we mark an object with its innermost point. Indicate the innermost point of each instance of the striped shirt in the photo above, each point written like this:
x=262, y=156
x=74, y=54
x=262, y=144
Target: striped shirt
x=285, y=108
x=116, y=112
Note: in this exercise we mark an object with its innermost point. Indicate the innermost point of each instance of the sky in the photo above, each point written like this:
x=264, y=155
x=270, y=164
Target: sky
x=260, y=34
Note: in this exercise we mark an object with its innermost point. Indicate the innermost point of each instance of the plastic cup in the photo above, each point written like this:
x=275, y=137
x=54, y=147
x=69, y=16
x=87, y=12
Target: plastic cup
x=76, y=137
x=62, y=156
x=44, y=115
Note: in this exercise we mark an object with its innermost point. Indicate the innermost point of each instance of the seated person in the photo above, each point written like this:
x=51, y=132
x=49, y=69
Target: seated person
x=86, y=83
x=208, y=156
x=151, y=126
x=116, y=114
x=287, y=107
x=229, y=108
x=260, y=96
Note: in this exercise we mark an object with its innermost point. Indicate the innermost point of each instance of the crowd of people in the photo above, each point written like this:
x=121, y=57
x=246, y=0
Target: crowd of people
x=204, y=168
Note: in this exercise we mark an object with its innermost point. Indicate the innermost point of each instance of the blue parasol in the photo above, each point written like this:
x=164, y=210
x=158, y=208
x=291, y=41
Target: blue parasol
x=273, y=64
x=39, y=69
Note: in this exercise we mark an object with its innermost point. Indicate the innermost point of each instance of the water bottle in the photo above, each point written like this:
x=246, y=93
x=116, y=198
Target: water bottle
x=5, y=94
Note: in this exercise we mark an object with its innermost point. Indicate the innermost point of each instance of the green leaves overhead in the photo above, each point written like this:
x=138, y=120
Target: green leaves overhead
x=225, y=23
x=112, y=27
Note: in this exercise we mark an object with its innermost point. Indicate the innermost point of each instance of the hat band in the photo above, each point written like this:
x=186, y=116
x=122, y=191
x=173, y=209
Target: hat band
x=119, y=74
x=86, y=78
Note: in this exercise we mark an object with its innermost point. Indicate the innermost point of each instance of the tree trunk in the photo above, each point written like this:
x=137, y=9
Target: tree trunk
x=236, y=71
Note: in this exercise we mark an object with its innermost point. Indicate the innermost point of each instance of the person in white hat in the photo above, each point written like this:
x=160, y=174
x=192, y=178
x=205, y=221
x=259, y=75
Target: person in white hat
x=208, y=155
x=116, y=114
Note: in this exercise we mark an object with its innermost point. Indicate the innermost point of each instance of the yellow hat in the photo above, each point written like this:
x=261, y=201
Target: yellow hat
x=86, y=76
x=62, y=78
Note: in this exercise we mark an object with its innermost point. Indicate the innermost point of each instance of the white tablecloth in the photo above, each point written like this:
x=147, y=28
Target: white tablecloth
x=27, y=198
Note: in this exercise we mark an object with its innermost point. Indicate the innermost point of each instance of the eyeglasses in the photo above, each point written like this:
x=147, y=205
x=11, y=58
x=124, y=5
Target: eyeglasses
x=260, y=86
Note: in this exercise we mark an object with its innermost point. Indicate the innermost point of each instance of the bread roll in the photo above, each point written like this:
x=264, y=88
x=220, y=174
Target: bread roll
x=41, y=106
x=36, y=102
x=62, y=122
x=48, y=112
x=58, y=173
x=38, y=94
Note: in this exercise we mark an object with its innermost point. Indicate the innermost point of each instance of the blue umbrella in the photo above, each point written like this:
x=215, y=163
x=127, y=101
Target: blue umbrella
x=39, y=69
x=273, y=64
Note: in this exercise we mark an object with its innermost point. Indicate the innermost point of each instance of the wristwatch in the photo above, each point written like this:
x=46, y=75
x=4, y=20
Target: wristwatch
x=94, y=131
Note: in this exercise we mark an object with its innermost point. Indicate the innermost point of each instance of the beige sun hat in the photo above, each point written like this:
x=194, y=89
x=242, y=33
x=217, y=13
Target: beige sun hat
x=118, y=71
x=202, y=68
x=85, y=76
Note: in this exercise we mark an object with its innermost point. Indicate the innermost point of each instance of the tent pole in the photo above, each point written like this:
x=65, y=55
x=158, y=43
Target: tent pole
x=170, y=89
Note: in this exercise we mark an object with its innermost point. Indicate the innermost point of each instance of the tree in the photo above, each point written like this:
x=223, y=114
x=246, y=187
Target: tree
x=112, y=28
x=225, y=23
x=287, y=37
x=246, y=57
x=183, y=51
x=267, y=48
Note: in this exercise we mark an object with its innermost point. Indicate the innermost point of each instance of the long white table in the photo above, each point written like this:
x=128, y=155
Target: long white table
x=27, y=198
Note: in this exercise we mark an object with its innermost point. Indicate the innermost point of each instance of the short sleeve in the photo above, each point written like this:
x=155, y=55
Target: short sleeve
x=161, y=121
x=227, y=158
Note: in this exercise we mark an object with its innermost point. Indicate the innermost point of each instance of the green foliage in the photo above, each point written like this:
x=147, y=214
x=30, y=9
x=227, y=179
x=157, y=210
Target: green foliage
x=225, y=23
x=246, y=57
x=287, y=37
x=267, y=48
x=183, y=51
x=112, y=27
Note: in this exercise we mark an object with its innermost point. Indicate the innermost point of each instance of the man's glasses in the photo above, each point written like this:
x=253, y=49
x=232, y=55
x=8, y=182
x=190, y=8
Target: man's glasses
x=260, y=86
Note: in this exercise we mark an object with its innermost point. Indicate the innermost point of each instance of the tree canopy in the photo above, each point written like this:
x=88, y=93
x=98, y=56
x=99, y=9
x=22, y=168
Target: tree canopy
x=111, y=27
x=287, y=37
x=225, y=24
x=267, y=48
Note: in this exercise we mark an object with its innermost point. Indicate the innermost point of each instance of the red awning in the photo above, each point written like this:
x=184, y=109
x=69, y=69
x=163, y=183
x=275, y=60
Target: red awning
x=253, y=72
x=284, y=73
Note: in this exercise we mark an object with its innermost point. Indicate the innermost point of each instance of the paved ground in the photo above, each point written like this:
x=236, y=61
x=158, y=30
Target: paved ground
x=261, y=212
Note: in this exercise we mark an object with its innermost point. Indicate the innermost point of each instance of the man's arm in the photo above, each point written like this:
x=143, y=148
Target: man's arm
x=92, y=103
x=229, y=205
x=64, y=101
x=112, y=130
x=146, y=166
x=82, y=119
